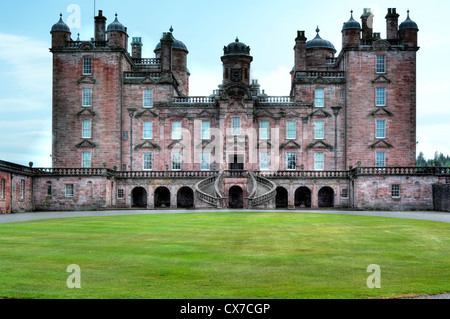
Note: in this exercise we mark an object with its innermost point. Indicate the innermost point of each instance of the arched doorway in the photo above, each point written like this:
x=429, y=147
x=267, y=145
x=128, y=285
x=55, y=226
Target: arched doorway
x=138, y=197
x=235, y=197
x=185, y=197
x=326, y=197
x=281, y=199
x=162, y=197
x=302, y=197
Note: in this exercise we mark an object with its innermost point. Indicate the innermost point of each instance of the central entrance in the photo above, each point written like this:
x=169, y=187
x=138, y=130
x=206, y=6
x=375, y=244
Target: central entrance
x=235, y=197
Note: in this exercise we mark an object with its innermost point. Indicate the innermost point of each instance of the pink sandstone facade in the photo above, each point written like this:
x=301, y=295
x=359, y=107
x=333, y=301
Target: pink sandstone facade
x=127, y=134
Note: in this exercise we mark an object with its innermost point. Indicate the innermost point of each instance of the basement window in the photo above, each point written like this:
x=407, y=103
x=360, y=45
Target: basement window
x=69, y=190
x=395, y=191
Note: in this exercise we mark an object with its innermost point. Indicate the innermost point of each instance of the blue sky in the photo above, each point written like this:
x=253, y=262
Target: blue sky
x=268, y=27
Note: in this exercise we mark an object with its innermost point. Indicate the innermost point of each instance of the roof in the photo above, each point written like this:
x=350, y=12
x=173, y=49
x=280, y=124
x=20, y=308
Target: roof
x=177, y=44
x=319, y=43
x=408, y=24
x=116, y=26
x=60, y=25
x=351, y=24
x=236, y=48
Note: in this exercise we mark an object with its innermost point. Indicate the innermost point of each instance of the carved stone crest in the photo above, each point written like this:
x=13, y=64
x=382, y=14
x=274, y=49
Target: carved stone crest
x=236, y=75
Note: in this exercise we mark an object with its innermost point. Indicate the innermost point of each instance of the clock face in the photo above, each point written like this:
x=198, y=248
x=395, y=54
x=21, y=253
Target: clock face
x=236, y=75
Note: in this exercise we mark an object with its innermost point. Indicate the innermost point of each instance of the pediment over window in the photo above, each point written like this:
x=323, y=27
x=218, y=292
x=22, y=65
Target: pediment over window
x=381, y=79
x=381, y=111
x=292, y=113
x=146, y=112
x=381, y=144
x=264, y=145
x=205, y=114
x=148, y=145
x=263, y=113
x=381, y=45
x=148, y=80
x=178, y=113
x=290, y=145
x=319, y=145
x=86, y=80
x=319, y=113
x=320, y=80
x=86, y=144
x=175, y=144
x=204, y=144
x=86, y=112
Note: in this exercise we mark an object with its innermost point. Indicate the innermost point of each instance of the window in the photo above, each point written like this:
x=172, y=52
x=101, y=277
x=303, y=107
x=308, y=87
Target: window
x=395, y=191
x=381, y=97
x=264, y=160
x=291, y=161
x=344, y=193
x=87, y=97
x=69, y=190
x=205, y=130
x=176, y=130
x=320, y=97
x=380, y=159
x=148, y=130
x=318, y=130
x=22, y=188
x=381, y=64
x=381, y=129
x=147, y=161
x=291, y=132
x=148, y=98
x=86, y=131
x=49, y=188
x=236, y=125
x=87, y=65
x=318, y=161
x=86, y=159
x=2, y=189
x=125, y=135
x=120, y=193
x=264, y=130
x=204, y=165
x=176, y=161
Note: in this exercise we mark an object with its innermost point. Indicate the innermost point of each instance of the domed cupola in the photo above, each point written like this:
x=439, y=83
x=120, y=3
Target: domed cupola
x=60, y=26
x=408, y=24
x=116, y=26
x=351, y=24
x=319, y=43
x=236, y=48
x=177, y=44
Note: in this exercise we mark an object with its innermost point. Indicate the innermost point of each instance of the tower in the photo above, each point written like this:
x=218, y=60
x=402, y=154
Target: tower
x=236, y=63
x=351, y=32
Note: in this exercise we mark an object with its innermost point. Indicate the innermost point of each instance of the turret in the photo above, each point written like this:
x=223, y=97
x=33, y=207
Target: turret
x=408, y=30
x=236, y=63
x=317, y=51
x=117, y=34
x=60, y=33
x=351, y=32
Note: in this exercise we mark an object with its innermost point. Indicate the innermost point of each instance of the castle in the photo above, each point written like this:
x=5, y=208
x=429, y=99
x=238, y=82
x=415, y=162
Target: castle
x=126, y=133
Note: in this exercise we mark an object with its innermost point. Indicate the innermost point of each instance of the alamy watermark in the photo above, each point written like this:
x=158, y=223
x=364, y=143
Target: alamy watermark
x=74, y=19
x=374, y=280
x=74, y=280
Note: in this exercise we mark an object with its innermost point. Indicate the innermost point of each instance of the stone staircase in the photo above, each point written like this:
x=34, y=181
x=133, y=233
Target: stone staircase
x=210, y=190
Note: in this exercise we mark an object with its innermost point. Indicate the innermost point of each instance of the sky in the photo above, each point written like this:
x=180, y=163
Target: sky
x=205, y=27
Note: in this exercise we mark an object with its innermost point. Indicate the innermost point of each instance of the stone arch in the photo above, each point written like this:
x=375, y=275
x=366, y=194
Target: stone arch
x=185, y=197
x=281, y=199
x=235, y=197
x=139, y=197
x=416, y=190
x=162, y=197
x=302, y=197
x=326, y=197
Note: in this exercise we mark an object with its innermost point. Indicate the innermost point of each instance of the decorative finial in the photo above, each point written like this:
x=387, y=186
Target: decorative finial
x=351, y=12
x=317, y=30
x=408, y=13
x=171, y=29
x=237, y=39
x=78, y=39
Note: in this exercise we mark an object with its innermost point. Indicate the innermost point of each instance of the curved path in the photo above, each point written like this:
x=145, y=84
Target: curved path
x=21, y=217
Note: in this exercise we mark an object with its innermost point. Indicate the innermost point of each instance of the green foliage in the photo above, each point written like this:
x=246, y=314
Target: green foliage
x=235, y=254
x=439, y=160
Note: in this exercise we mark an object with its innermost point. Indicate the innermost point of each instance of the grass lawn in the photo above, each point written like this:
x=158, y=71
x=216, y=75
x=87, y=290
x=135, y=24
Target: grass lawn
x=224, y=255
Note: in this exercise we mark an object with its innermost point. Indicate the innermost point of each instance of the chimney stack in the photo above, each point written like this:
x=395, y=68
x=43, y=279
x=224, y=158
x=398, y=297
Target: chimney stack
x=367, y=24
x=136, y=48
x=392, y=24
x=100, y=26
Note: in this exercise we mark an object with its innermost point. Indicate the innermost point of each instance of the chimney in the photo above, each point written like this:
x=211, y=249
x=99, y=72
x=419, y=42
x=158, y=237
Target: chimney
x=392, y=24
x=367, y=24
x=166, y=53
x=100, y=26
x=136, y=48
x=300, y=51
